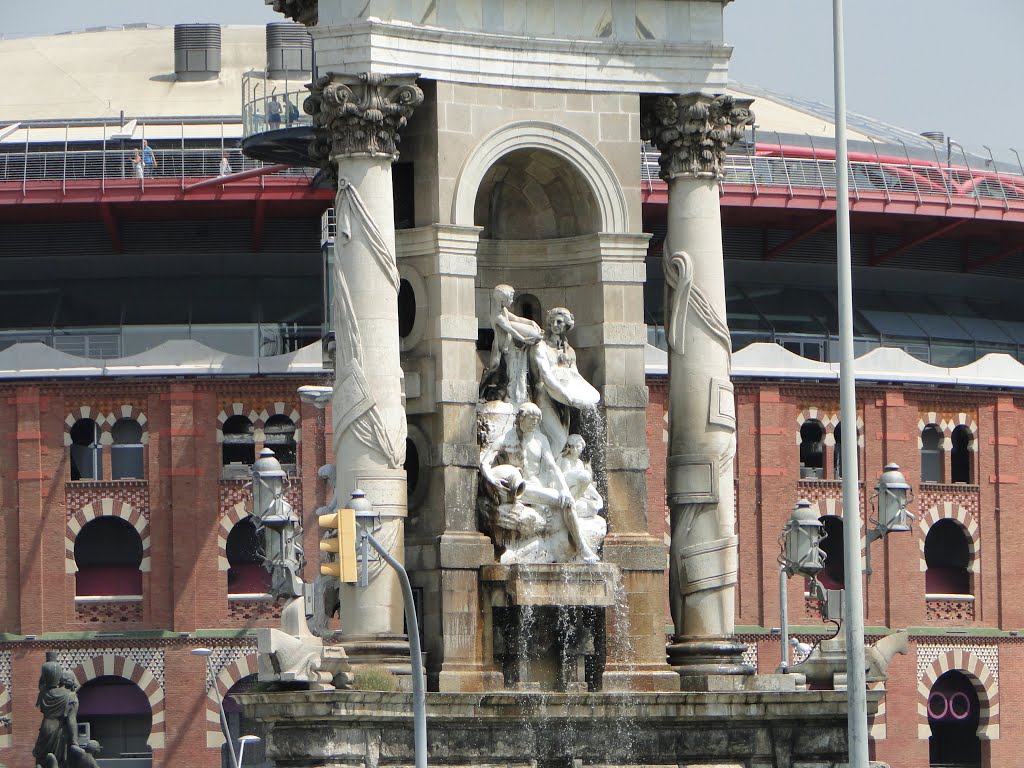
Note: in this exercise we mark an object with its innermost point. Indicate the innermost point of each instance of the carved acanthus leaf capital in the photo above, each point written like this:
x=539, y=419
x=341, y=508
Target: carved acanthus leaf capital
x=359, y=114
x=303, y=11
x=693, y=131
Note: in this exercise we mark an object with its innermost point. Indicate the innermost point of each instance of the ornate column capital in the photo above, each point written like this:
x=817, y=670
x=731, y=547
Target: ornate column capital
x=359, y=114
x=303, y=11
x=693, y=130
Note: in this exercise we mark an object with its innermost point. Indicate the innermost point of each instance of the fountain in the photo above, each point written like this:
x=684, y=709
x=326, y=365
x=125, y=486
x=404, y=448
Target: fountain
x=506, y=466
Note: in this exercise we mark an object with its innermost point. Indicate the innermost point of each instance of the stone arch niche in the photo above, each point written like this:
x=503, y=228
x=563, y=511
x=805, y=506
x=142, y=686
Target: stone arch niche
x=534, y=194
x=529, y=145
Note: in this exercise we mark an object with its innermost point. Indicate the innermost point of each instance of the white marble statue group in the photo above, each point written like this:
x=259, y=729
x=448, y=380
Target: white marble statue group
x=538, y=497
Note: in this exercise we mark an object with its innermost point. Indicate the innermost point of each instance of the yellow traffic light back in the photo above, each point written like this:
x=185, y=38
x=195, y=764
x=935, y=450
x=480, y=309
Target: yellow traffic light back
x=343, y=545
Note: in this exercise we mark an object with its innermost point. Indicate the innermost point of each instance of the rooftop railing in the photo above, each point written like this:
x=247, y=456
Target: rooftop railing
x=770, y=167
x=803, y=170
x=114, y=163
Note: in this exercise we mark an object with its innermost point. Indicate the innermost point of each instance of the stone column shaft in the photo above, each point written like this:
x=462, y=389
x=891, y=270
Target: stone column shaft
x=693, y=132
x=356, y=121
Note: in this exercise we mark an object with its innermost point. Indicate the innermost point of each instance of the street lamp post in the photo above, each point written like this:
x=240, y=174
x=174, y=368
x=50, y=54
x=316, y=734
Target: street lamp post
x=206, y=653
x=242, y=741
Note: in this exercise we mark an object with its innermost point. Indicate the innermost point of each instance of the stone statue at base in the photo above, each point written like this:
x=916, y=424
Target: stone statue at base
x=58, y=702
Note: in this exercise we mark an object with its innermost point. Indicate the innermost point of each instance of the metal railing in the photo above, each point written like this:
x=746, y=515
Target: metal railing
x=773, y=166
x=270, y=113
x=115, y=163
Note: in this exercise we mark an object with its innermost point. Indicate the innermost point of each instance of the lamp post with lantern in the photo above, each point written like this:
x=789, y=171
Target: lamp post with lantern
x=801, y=553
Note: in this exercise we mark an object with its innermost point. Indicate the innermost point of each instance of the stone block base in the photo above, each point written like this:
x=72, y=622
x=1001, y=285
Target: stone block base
x=749, y=728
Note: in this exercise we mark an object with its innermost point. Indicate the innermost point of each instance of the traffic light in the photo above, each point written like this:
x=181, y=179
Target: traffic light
x=343, y=545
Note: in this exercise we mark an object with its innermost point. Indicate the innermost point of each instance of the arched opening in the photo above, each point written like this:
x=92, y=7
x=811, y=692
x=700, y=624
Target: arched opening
x=108, y=553
x=953, y=716
x=86, y=452
x=279, y=436
x=931, y=454
x=406, y=308
x=533, y=194
x=119, y=717
x=832, y=575
x=527, y=305
x=412, y=467
x=239, y=725
x=960, y=455
x=812, y=454
x=239, y=446
x=947, y=554
x=126, y=454
x=246, y=574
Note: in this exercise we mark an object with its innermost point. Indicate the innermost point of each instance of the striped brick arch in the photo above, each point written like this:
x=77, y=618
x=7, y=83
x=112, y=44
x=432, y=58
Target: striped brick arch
x=106, y=421
x=259, y=419
x=228, y=521
x=829, y=419
x=981, y=677
x=120, y=666
x=5, y=716
x=950, y=511
x=106, y=507
x=227, y=677
x=946, y=424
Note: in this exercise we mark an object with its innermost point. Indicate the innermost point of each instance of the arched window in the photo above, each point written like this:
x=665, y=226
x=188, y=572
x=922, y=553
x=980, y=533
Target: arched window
x=246, y=574
x=279, y=436
x=812, y=455
x=239, y=445
x=108, y=553
x=953, y=715
x=832, y=575
x=931, y=454
x=947, y=555
x=86, y=453
x=126, y=454
x=119, y=717
x=960, y=455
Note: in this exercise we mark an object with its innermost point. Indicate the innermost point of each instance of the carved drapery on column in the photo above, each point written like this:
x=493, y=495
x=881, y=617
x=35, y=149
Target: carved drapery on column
x=359, y=115
x=303, y=11
x=693, y=132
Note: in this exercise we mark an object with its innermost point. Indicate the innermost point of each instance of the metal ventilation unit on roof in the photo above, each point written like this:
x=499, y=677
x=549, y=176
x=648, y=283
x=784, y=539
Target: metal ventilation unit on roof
x=197, y=51
x=289, y=51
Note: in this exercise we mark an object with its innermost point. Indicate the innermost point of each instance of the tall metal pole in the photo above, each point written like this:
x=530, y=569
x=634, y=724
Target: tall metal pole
x=419, y=697
x=784, y=618
x=853, y=609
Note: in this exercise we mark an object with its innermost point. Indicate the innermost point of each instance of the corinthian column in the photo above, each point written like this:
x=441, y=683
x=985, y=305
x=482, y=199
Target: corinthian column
x=356, y=121
x=692, y=132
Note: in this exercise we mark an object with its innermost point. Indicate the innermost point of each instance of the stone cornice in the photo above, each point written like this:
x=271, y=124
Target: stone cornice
x=499, y=59
x=303, y=11
x=693, y=131
x=359, y=114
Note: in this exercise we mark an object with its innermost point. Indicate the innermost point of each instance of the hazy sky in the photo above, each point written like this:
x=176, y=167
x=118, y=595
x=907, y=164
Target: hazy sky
x=946, y=65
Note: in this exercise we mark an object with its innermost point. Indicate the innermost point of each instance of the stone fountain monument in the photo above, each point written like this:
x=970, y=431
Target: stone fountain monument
x=490, y=396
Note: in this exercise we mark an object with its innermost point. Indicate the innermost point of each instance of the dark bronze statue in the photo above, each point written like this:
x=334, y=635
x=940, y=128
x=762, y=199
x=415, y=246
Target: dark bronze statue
x=56, y=745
